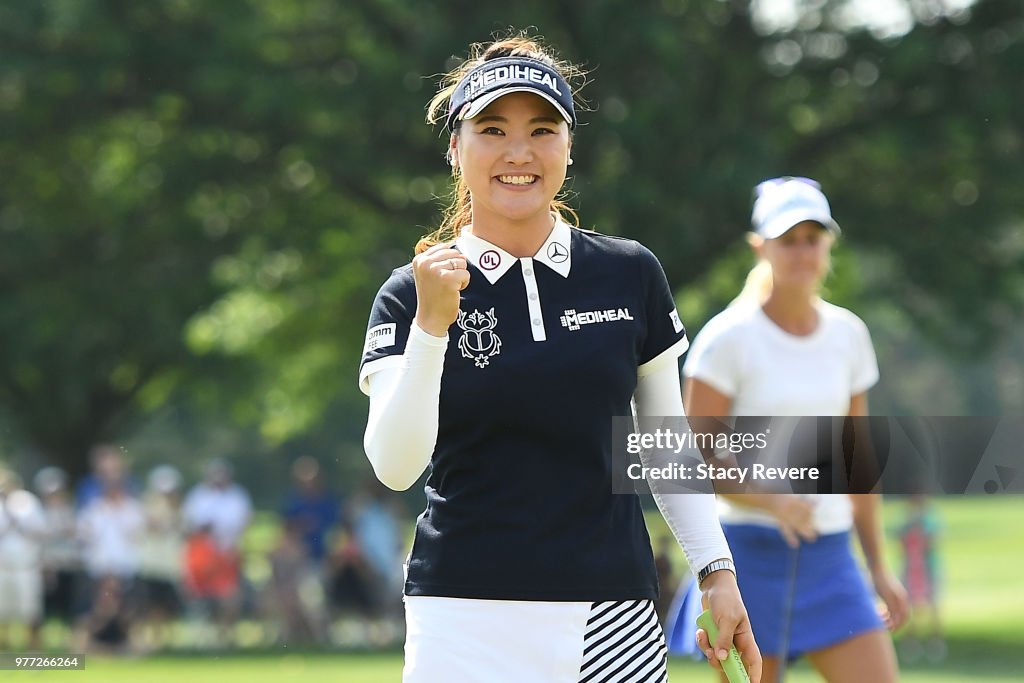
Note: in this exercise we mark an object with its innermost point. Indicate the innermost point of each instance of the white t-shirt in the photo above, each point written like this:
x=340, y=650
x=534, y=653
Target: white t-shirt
x=111, y=531
x=22, y=527
x=767, y=371
x=226, y=509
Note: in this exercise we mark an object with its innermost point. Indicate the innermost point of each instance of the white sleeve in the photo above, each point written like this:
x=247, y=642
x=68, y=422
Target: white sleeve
x=692, y=517
x=401, y=430
x=865, y=370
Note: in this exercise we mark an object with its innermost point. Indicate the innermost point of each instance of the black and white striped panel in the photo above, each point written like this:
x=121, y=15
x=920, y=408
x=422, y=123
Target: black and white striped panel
x=624, y=643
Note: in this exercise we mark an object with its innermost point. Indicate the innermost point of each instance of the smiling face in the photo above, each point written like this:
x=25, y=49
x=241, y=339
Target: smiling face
x=513, y=158
x=799, y=257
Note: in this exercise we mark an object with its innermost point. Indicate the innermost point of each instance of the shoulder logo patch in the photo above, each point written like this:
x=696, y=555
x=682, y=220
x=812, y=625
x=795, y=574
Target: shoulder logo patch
x=677, y=324
x=479, y=341
x=380, y=337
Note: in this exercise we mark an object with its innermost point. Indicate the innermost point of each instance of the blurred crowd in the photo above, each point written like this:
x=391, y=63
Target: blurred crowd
x=118, y=564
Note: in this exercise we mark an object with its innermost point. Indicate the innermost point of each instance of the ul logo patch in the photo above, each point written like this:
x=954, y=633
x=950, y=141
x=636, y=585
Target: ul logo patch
x=489, y=260
x=478, y=341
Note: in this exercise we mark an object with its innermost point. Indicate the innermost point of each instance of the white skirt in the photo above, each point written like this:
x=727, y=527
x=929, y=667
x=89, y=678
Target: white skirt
x=459, y=640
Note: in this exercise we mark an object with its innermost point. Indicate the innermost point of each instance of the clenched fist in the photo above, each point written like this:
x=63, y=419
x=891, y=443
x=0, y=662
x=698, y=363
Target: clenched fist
x=440, y=273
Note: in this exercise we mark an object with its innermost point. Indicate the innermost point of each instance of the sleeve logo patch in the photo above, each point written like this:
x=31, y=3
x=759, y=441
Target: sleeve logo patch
x=380, y=337
x=677, y=324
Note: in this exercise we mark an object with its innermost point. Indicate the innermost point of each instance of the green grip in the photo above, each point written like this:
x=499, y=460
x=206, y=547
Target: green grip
x=733, y=665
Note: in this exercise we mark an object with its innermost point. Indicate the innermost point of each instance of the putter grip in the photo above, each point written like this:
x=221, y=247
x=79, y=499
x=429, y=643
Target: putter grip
x=733, y=665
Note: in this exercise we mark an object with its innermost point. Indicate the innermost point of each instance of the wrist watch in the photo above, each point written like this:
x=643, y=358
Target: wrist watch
x=715, y=566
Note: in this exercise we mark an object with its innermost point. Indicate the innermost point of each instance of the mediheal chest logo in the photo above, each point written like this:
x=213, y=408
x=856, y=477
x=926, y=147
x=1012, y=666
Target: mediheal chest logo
x=575, y=321
x=478, y=341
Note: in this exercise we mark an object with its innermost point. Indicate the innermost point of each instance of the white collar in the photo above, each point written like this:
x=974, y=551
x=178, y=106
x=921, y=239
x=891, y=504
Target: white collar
x=493, y=261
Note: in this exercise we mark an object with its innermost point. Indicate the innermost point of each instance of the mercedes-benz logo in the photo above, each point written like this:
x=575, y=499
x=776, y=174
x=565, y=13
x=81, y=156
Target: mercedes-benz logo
x=557, y=253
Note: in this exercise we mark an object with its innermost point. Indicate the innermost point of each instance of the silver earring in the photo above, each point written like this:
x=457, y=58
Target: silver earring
x=569, y=163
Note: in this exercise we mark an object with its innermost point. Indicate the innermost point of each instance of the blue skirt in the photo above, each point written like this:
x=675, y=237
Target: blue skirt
x=817, y=588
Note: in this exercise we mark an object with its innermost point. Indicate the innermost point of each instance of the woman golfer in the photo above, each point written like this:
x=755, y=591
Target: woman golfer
x=499, y=357
x=781, y=350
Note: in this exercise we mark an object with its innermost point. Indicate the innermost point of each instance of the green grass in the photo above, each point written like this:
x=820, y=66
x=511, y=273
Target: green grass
x=983, y=603
x=387, y=667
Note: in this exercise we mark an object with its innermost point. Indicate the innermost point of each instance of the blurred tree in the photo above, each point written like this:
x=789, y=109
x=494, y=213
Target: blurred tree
x=200, y=199
x=105, y=212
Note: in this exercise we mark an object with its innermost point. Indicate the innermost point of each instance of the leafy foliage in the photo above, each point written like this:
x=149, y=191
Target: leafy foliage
x=199, y=200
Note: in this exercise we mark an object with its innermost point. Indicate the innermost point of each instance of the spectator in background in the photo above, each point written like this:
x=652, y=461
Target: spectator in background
x=365, y=569
x=211, y=582
x=350, y=584
x=220, y=511
x=309, y=514
x=22, y=526
x=107, y=464
x=375, y=526
x=297, y=588
x=110, y=528
x=161, y=553
x=919, y=540
x=61, y=556
x=311, y=508
x=219, y=504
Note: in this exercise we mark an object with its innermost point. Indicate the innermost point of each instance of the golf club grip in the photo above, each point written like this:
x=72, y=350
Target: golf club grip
x=733, y=665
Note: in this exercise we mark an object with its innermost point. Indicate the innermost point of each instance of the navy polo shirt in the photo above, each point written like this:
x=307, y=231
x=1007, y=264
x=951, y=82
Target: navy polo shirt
x=545, y=352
